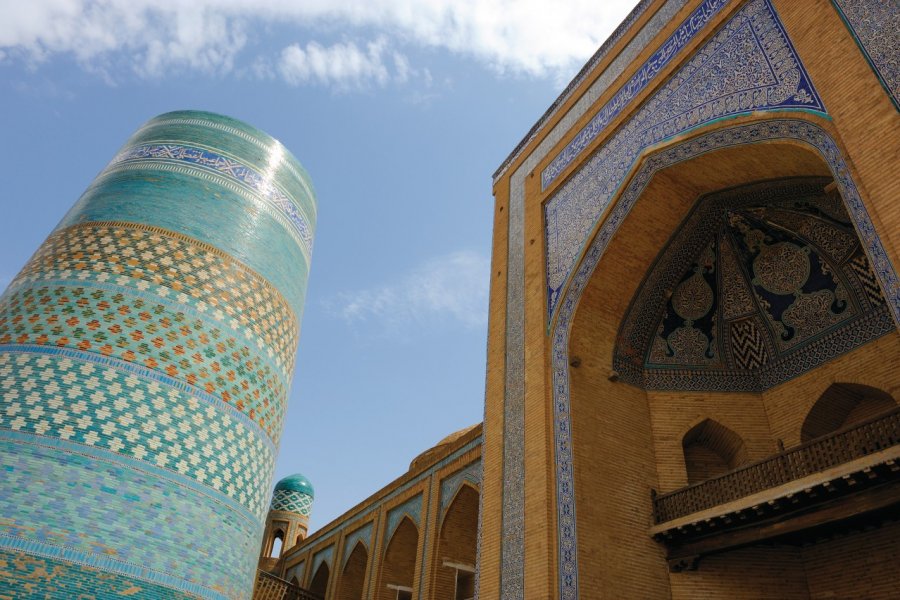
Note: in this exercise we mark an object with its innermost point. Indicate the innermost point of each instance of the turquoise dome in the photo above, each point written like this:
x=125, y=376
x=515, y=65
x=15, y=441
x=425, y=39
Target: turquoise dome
x=296, y=483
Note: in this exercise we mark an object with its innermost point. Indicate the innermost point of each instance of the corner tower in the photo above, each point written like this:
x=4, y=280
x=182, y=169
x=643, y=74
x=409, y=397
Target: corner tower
x=146, y=352
x=288, y=518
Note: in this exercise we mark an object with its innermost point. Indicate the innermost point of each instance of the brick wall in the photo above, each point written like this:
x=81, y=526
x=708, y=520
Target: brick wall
x=860, y=565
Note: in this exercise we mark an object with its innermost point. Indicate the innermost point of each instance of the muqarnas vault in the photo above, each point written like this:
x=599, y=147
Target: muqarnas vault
x=146, y=352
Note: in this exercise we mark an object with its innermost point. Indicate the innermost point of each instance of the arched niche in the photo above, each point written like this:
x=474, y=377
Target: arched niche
x=711, y=449
x=319, y=583
x=398, y=566
x=843, y=405
x=455, y=569
x=353, y=577
x=615, y=439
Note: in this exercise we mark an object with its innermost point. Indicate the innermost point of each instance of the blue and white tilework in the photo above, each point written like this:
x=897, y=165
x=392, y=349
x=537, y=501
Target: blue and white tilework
x=750, y=65
x=792, y=130
x=412, y=508
x=146, y=352
x=875, y=25
x=450, y=485
x=322, y=556
x=362, y=535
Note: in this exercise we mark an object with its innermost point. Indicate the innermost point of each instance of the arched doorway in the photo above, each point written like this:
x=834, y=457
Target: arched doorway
x=353, y=577
x=614, y=433
x=319, y=583
x=398, y=568
x=455, y=571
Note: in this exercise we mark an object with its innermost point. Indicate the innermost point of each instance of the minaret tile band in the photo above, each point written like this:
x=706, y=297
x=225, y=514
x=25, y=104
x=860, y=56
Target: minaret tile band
x=146, y=352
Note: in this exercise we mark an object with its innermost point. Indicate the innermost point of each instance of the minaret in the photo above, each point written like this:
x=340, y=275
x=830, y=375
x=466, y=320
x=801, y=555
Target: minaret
x=146, y=353
x=288, y=518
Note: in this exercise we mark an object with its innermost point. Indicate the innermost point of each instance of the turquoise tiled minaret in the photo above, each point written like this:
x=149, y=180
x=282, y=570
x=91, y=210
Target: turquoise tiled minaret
x=146, y=353
x=288, y=518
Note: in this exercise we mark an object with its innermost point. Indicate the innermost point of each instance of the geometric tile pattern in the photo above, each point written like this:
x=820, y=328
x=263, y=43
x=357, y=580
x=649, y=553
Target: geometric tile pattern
x=412, y=509
x=140, y=525
x=149, y=331
x=102, y=406
x=146, y=353
x=792, y=278
x=793, y=130
x=290, y=501
x=362, y=535
x=875, y=25
x=513, y=512
x=27, y=576
x=450, y=485
x=189, y=274
x=667, y=52
x=749, y=65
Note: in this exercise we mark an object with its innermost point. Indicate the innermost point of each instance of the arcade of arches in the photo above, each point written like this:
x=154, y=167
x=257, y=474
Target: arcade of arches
x=692, y=383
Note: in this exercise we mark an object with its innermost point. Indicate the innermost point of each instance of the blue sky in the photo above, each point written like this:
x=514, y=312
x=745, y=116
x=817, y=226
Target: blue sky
x=399, y=109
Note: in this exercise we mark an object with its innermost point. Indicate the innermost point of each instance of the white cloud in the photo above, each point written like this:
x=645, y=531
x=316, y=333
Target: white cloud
x=451, y=289
x=342, y=64
x=153, y=37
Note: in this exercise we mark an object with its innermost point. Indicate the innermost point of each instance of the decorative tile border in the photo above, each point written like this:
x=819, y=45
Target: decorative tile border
x=149, y=155
x=680, y=38
x=875, y=25
x=271, y=147
x=585, y=71
x=760, y=132
x=512, y=533
x=750, y=65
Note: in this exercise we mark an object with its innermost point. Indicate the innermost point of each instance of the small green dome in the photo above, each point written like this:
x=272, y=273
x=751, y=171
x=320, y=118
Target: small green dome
x=296, y=483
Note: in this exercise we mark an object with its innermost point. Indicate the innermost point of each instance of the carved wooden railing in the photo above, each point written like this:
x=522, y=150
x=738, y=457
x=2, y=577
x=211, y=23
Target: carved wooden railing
x=815, y=456
x=270, y=587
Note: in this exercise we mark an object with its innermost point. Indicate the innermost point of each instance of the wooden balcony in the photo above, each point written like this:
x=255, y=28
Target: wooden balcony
x=270, y=587
x=842, y=479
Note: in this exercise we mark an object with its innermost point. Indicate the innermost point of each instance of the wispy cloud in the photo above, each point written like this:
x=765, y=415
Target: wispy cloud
x=448, y=290
x=154, y=37
x=343, y=65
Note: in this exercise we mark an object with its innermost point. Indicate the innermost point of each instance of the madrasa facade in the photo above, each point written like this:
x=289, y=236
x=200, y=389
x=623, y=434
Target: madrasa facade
x=692, y=365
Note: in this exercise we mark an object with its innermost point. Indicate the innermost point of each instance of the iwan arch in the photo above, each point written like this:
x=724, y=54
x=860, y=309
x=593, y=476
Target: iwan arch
x=692, y=356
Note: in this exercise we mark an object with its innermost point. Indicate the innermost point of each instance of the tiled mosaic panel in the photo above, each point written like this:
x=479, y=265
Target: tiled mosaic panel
x=122, y=323
x=217, y=181
x=749, y=65
x=759, y=284
x=797, y=131
x=450, y=485
x=680, y=38
x=513, y=533
x=172, y=267
x=138, y=522
x=291, y=501
x=412, y=508
x=102, y=406
x=26, y=576
x=363, y=534
x=876, y=26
